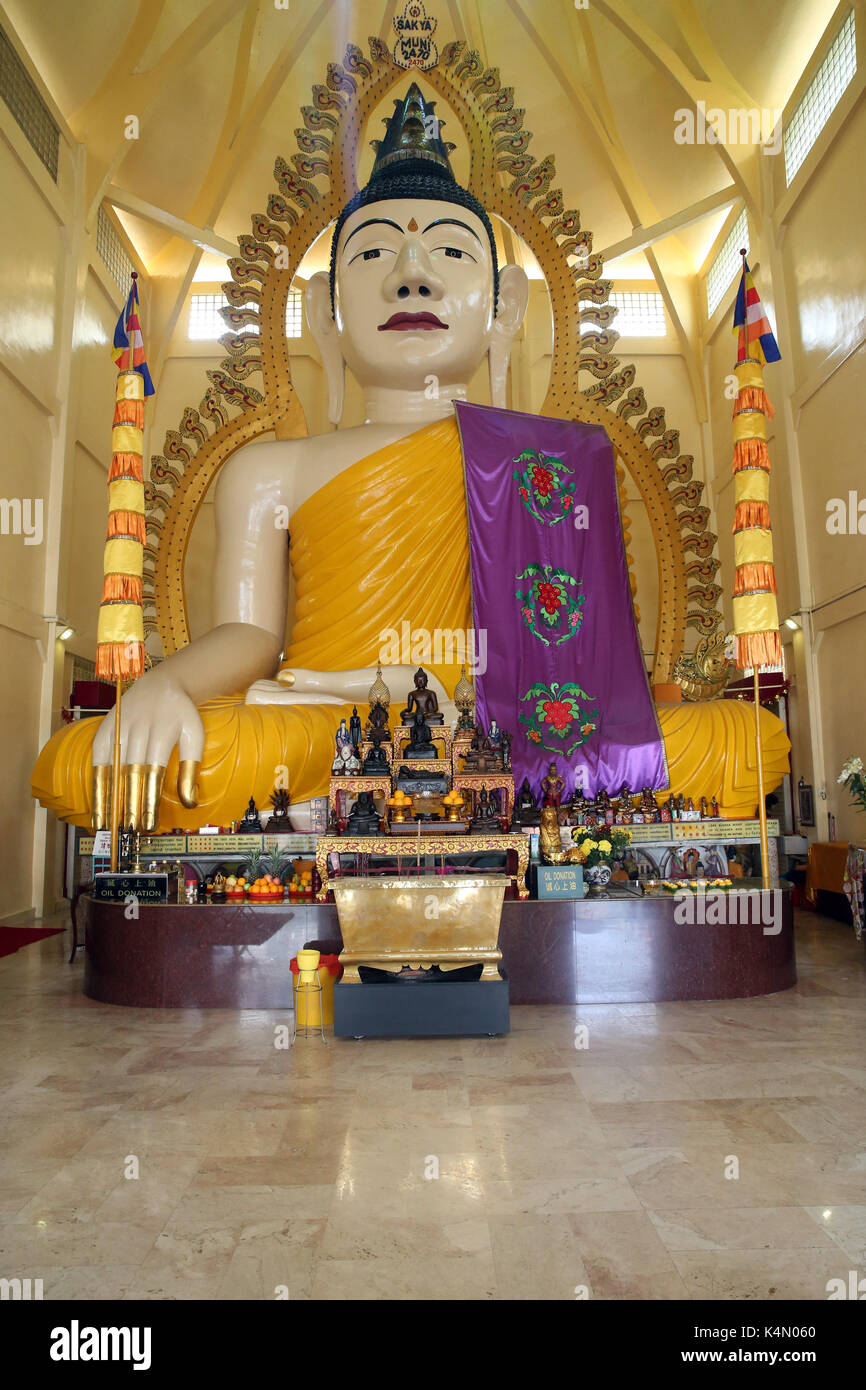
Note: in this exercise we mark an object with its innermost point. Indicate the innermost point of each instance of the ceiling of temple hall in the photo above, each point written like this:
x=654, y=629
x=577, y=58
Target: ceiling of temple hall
x=217, y=86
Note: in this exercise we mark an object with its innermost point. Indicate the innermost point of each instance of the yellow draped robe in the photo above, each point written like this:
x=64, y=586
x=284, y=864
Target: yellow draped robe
x=384, y=544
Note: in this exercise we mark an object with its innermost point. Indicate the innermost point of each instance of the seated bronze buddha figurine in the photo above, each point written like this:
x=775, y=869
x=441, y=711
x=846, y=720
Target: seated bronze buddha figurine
x=420, y=741
x=423, y=701
x=526, y=810
x=363, y=818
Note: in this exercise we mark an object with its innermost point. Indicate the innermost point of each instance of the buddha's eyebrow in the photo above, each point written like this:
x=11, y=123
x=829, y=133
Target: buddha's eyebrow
x=453, y=222
x=372, y=222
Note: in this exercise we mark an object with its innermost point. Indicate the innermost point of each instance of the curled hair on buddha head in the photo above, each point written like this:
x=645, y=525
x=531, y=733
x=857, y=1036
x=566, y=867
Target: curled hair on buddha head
x=412, y=162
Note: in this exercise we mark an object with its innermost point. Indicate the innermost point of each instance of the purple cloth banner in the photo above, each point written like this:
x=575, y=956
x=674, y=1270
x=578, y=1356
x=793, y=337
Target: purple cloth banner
x=564, y=673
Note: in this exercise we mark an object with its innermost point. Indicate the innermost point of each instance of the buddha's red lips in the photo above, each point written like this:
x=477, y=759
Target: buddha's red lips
x=402, y=322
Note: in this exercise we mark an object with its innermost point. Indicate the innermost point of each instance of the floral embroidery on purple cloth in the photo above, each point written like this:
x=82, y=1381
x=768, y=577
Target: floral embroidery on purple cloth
x=558, y=714
x=549, y=601
x=544, y=486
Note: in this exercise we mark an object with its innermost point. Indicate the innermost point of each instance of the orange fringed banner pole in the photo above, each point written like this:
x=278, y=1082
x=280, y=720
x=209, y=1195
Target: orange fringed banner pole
x=756, y=617
x=120, y=632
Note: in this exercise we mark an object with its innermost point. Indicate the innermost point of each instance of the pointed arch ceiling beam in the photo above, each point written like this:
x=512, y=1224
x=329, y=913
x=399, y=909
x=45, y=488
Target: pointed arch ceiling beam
x=203, y=237
x=642, y=237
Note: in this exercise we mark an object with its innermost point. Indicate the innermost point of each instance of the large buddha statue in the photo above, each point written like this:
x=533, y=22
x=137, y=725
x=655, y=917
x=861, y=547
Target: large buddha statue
x=414, y=295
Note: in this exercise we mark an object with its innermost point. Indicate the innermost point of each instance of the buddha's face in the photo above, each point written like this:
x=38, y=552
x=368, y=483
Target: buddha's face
x=413, y=293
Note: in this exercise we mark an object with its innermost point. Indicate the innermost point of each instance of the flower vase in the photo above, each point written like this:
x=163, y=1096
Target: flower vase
x=598, y=877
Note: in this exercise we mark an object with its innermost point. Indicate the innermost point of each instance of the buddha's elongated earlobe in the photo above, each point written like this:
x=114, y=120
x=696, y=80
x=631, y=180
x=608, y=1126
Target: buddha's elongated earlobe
x=511, y=311
x=317, y=303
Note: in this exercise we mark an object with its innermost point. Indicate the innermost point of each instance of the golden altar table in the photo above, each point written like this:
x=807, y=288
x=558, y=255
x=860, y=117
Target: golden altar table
x=411, y=847
x=387, y=923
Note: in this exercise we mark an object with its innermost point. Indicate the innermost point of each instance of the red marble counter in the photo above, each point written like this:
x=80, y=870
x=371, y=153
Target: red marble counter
x=609, y=951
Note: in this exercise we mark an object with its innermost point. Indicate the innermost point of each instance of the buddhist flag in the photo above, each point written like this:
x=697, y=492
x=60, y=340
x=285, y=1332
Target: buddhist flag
x=128, y=351
x=751, y=325
x=756, y=617
x=120, y=633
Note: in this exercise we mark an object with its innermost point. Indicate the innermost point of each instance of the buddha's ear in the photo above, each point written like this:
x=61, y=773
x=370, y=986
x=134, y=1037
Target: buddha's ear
x=510, y=313
x=317, y=304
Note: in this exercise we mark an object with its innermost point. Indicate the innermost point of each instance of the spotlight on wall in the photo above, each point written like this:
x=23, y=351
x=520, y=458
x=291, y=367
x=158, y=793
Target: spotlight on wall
x=793, y=624
x=65, y=635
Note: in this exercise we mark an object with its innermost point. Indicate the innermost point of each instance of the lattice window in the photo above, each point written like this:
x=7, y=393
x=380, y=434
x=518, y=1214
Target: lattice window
x=641, y=313
x=206, y=321
x=727, y=263
x=821, y=97
x=21, y=96
x=112, y=252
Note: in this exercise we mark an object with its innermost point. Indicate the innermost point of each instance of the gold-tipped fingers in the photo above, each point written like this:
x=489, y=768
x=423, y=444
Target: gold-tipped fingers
x=154, y=776
x=101, y=798
x=286, y=677
x=187, y=781
x=133, y=782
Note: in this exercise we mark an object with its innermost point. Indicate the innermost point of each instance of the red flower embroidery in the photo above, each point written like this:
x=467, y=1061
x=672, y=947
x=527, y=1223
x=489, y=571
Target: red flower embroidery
x=557, y=713
x=566, y=503
x=524, y=494
x=542, y=479
x=549, y=597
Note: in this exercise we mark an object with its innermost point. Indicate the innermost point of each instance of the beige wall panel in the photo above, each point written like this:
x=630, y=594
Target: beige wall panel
x=824, y=252
x=831, y=438
x=20, y=676
x=842, y=673
x=31, y=254
x=94, y=369
x=24, y=475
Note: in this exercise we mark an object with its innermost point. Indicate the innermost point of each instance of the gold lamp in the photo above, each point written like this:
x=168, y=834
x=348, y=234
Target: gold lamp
x=455, y=803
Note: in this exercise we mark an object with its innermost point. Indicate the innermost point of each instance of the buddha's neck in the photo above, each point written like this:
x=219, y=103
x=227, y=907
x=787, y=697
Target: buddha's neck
x=388, y=406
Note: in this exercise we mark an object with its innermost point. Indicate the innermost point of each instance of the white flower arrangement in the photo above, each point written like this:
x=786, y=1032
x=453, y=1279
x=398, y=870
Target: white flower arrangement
x=852, y=777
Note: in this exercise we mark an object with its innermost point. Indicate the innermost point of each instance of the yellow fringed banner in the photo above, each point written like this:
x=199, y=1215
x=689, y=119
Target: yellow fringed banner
x=758, y=649
x=752, y=485
x=123, y=557
x=126, y=439
x=755, y=612
x=751, y=453
x=755, y=578
x=748, y=514
x=749, y=425
x=120, y=622
x=754, y=398
x=129, y=413
x=127, y=524
x=130, y=387
x=126, y=495
x=125, y=466
x=749, y=373
x=120, y=661
x=753, y=546
x=125, y=588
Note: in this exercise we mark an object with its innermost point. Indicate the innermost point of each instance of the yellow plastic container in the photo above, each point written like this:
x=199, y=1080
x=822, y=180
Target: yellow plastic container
x=307, y=1005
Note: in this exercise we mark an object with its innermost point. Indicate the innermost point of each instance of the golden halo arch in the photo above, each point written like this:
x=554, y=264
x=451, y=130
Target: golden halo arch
x=506, y=177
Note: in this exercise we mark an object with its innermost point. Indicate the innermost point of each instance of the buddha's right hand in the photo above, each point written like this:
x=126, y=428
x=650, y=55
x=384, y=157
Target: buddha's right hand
x=155, y=716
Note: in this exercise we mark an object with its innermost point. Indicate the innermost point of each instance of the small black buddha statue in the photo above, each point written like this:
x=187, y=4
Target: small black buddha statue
x=506, y=751
x=376, y=763
x=363, y=818
x=526, y=810
x=378, y=720
x=486, y=820
x=420, y=741
x=250, y=823
x=355, y=731
x=423, y=701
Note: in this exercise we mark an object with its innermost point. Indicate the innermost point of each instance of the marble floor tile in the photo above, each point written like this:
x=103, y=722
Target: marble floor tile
x=520, y=1167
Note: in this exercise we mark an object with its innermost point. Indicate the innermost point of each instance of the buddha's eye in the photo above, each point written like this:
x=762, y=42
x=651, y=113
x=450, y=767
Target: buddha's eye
x=453, y=251
x=372, y=255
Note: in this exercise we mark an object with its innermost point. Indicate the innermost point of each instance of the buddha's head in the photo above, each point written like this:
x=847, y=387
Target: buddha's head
x=414, y=290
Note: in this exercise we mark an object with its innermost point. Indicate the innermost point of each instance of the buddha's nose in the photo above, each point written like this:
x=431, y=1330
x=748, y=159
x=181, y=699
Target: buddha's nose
x=413, y=273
